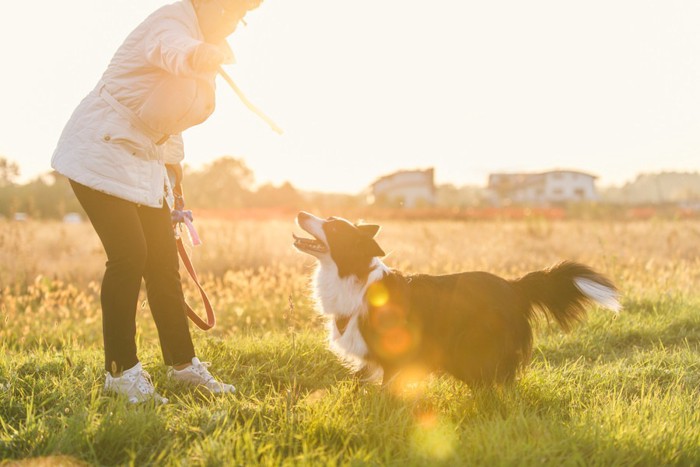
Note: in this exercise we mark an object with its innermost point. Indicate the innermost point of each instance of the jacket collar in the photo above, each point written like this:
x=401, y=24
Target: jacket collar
x=188, y=6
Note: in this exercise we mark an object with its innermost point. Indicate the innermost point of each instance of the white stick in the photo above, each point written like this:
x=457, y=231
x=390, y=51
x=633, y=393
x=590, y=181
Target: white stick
x=249, y=104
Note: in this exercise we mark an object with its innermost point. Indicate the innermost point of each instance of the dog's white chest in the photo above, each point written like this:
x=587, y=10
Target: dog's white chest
x=344, y=298
x=338, y=296
x=350, y=342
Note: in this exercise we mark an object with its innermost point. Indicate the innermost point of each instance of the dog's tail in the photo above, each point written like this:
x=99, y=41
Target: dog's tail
x=563, y=290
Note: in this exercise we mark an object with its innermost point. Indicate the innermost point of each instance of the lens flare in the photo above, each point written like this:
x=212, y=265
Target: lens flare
x=434, y=438
x=387, y=317
x=396, y=341
x=411, y=382
x=427, y=420
x=377, y=294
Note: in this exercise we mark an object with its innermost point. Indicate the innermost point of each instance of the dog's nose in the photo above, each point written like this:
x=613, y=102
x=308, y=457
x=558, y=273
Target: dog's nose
x=303, y=215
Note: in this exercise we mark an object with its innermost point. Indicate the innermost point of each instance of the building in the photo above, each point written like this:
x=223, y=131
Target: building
x=556, y=186
x=406, y=188
x=72, y=218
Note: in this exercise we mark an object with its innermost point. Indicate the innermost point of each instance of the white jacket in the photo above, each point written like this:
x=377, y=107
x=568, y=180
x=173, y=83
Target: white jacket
x=122, y=134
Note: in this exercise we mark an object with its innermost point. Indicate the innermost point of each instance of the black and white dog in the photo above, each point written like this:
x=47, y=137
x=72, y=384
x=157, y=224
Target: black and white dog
x=473, y=325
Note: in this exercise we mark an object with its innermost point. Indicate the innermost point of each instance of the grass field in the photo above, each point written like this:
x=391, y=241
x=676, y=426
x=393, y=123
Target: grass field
x=619, y=390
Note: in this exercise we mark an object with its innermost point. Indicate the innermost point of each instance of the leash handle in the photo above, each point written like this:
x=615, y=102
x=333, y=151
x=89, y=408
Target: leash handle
x=179, y=216
x=196, y=241
x=211, y=317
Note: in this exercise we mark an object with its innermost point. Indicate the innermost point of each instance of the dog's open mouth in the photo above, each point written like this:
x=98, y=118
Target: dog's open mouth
x=309, y=244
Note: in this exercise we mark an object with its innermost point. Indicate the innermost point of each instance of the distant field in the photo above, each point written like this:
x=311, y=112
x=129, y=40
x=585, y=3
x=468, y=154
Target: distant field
x=616, y=391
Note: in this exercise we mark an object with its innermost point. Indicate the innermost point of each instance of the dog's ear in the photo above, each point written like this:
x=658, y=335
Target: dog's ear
x=369, y=230
x=374, y=249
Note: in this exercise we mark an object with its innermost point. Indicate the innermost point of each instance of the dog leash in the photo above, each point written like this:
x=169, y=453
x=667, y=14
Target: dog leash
x=181, y=216
x=186, y=218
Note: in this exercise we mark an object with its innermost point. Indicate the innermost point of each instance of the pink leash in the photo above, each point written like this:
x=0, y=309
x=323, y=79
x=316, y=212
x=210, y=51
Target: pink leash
x=193, y=232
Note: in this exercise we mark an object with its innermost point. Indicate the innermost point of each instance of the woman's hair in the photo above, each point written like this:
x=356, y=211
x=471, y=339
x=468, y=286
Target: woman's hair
x=253, y=4
x=250, y=4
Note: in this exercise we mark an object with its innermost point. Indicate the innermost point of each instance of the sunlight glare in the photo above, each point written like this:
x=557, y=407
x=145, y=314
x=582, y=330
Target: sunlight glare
x=411, y=383
x=396, y=341
x=434, y=437
x=377, y=294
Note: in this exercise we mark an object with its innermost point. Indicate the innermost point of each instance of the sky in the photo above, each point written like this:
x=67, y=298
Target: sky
x=364, y=88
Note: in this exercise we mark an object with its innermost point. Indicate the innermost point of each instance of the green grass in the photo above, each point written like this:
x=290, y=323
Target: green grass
x=619, y=390
x=615, y=392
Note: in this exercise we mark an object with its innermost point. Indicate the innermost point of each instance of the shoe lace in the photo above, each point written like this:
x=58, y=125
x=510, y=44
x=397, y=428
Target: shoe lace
x=201, y=370
x=142, y=382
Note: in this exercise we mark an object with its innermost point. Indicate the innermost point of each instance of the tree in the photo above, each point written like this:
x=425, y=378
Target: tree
x=46, y=196
x=224, y=183
x=9, y=171
x=284, y=196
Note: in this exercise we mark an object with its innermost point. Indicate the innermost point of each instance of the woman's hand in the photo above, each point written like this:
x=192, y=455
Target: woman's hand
x=207, y=57
x=175, y=173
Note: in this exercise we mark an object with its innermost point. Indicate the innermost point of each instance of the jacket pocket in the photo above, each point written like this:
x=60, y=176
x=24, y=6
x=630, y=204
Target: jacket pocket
x=116, y=132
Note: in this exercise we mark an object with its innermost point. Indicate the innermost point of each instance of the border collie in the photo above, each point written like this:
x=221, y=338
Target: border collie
x=473, y=325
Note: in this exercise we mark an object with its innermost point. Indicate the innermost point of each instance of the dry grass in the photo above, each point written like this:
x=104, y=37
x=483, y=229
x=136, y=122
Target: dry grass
x=642, y=254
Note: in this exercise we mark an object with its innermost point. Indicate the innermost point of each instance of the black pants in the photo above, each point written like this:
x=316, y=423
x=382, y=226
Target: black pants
x=140, y=243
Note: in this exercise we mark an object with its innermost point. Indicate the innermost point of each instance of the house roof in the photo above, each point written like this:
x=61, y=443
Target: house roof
x=579, y=172
x=428, y=171
x=533, y=177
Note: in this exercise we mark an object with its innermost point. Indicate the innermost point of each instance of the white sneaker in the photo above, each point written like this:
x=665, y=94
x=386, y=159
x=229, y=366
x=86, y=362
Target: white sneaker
x=198, y=375
x=134, y=383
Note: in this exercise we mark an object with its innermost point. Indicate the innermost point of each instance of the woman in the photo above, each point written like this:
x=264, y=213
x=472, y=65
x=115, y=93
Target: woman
x=117, y=149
